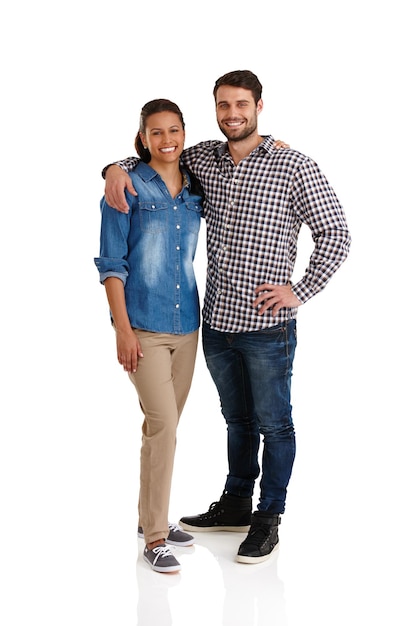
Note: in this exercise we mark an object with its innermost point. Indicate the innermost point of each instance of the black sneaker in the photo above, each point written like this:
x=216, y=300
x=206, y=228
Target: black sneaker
x=229, y=513
x=262, y=539
x=176, y=536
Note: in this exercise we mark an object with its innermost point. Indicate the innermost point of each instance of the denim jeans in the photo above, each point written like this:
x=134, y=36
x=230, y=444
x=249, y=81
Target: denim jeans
x=252, y=372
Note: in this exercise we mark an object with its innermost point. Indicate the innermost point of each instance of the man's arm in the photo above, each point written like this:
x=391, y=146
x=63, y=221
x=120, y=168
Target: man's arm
x=117, y=181
x=319, y=208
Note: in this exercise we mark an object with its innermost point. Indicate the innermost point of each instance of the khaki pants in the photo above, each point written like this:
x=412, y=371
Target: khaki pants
x=162, y=381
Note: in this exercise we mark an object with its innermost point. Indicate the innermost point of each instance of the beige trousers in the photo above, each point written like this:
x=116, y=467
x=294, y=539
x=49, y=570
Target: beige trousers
x=162, y=381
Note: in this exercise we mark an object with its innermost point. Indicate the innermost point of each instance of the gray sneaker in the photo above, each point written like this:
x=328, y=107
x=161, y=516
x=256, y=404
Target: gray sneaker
x=176, y=536
x=161, y=559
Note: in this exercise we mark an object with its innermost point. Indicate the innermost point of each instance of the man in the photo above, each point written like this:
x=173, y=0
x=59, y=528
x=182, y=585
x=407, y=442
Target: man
x=256, y=199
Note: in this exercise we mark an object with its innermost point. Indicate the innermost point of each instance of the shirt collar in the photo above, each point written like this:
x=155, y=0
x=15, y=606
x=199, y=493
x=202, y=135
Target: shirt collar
x=146, y=172
x=267, y=145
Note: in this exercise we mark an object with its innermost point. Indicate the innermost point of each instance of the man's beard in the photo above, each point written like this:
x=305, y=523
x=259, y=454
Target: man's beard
x=244, y=134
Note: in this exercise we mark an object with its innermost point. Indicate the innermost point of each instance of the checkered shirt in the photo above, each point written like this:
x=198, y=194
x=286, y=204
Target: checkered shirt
x=254, y=212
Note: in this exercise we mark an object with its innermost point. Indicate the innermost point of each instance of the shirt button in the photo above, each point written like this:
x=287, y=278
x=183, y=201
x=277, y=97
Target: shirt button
x=177, y=247
x=177, y=306
x=178, y=286
x=178, y=226
x=175, y=208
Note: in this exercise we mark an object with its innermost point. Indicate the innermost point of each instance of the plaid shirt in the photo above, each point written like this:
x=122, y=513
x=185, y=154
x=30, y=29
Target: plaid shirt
x=254, y=212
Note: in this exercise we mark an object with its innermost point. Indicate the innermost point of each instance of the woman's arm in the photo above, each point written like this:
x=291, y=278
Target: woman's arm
x=128, y=346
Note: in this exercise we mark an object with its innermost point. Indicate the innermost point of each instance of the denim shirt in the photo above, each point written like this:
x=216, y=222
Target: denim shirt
x=151, y=250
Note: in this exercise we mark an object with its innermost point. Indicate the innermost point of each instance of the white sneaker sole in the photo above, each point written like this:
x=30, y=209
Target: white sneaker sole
x=256, y=559
x=162, y=570
x=212, y=529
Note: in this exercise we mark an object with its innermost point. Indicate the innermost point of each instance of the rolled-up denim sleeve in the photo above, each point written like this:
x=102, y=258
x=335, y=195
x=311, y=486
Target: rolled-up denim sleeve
x=114, y=234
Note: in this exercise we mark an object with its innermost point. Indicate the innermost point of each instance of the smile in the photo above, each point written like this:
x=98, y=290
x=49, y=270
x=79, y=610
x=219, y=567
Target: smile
x=233, y=124
x=168, y=150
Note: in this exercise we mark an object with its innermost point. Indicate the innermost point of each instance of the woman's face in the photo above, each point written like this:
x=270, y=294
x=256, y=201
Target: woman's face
x=164, y=137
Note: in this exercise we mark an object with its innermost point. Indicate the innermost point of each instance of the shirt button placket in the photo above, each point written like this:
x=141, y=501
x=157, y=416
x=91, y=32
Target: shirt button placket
x=177, y=314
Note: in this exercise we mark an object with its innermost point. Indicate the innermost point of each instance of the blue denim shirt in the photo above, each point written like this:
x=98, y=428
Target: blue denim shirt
x=151, y=249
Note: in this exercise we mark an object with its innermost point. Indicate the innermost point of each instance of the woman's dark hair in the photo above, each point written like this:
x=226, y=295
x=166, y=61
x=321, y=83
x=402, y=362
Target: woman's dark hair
x=154, y=106
x=241, y=78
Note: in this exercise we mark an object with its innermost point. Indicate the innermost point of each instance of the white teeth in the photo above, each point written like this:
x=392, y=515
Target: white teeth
x=167, y=150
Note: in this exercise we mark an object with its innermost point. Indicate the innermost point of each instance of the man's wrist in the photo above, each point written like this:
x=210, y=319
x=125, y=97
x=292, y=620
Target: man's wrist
x=104, y=170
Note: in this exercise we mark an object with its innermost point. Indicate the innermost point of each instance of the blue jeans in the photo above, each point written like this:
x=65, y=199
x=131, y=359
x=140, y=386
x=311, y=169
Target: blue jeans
x=252, y=372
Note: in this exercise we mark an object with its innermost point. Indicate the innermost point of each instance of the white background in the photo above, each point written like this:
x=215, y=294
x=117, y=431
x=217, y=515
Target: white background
x=339, y=85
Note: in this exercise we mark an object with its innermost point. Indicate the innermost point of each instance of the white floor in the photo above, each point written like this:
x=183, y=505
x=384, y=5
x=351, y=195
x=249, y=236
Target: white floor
x=332, y=569
x=69, y=553
x=211, y=588
x=318, y=576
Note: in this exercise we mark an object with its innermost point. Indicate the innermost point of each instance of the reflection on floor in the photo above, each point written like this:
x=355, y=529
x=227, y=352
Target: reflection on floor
x=211, y=587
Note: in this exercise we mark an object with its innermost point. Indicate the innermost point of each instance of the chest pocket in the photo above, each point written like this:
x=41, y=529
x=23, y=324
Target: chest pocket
x=153, y=218
x=194, y=212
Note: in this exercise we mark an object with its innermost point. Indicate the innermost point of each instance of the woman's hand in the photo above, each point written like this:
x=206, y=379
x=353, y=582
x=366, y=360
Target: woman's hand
x=128, y=350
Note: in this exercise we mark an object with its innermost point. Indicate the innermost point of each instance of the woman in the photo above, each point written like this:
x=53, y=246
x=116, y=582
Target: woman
x=146, y=266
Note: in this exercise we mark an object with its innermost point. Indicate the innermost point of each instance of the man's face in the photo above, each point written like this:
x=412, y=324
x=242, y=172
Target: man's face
x=237, y=113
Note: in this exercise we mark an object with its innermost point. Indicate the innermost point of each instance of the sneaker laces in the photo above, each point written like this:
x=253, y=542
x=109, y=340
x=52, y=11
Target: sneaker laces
x=259, y=532
x=161, y=551
x=174, y=527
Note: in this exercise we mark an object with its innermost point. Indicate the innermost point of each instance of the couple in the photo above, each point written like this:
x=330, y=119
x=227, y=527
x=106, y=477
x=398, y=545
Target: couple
x=254, y=198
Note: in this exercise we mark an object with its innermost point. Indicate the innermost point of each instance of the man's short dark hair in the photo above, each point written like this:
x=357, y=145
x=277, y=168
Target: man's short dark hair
x=241, y=78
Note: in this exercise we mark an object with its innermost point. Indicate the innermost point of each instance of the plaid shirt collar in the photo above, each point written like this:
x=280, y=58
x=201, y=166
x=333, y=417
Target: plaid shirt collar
x=222, y=151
